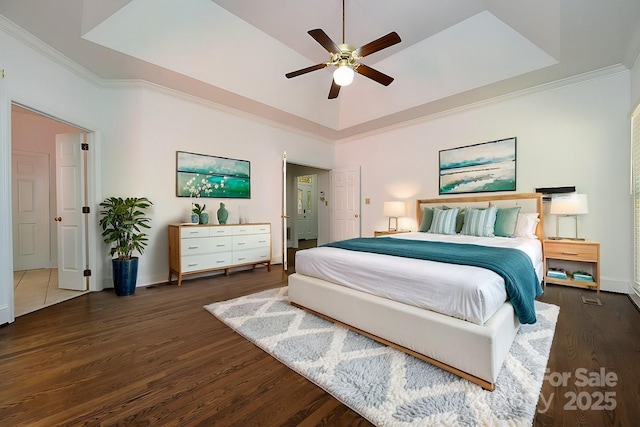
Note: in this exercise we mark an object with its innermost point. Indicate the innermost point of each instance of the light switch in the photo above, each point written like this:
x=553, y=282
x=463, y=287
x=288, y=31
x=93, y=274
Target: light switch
x=367, y=201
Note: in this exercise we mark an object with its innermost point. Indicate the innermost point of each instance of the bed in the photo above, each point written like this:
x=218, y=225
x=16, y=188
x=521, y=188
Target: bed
x=457, y=317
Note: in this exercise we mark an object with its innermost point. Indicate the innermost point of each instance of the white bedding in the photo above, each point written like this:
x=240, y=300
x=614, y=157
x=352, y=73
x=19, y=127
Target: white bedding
x=465, y=292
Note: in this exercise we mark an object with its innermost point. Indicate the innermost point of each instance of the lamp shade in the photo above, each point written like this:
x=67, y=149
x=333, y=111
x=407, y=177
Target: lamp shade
x=343, y=75
x=394, y=209
x=572, y=204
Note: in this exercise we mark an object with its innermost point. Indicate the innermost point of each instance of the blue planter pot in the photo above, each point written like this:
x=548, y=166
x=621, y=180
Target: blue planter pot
x=125, y=276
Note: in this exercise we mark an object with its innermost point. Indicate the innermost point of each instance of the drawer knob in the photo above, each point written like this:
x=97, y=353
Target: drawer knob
x=570, y=253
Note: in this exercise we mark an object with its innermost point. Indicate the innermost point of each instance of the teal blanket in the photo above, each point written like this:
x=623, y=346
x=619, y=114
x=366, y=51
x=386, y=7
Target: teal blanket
x=513, y=265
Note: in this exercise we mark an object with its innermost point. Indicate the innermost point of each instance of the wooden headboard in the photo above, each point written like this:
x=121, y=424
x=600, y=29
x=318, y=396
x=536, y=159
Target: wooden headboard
x=528, y=202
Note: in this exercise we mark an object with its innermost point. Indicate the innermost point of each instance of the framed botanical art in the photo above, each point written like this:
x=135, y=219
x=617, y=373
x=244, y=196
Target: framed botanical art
x=486, y=167
x=200, y=175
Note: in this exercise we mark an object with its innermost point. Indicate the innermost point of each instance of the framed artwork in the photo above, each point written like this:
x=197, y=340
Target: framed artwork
x=479, y=168
x=200, y=175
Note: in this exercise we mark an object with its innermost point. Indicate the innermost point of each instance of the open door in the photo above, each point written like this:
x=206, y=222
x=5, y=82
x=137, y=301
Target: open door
x=345, y=212
x=70, y=177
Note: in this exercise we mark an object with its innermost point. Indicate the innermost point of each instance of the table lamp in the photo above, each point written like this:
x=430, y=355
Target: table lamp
x=393, y=210
x=570, y=205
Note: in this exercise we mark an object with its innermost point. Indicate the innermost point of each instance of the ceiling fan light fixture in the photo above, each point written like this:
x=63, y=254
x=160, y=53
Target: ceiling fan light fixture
x=343, y=75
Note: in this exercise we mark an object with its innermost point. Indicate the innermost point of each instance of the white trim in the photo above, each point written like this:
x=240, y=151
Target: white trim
x=6, y=249
x=45, y=50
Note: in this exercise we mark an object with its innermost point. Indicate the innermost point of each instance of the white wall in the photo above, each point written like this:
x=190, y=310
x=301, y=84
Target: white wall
x=573, y=135
x=32, y=79
x=139, y=159
x=137, y=132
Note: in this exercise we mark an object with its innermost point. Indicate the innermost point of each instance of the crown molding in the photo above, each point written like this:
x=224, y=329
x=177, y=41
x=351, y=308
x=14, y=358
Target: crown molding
x=126, y=84
x=47, y=51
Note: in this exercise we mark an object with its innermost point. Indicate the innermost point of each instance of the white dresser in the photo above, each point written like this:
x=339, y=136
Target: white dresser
x=195, y=249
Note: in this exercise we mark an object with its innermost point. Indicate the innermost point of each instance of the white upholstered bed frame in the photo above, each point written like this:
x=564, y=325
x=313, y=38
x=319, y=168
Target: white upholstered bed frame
x=475, y=352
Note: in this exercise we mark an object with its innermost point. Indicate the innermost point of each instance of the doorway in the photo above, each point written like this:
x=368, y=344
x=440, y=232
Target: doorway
x=308, y=209
x=37, y=187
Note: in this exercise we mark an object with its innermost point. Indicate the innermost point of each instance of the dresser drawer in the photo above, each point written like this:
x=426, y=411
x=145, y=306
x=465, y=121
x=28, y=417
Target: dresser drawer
x=262, y=229
x=193, y=231
x=205, y=261
x=252, y=255
x=221, y=230
x=242, y=229
x=571, y=251
x=199, y=245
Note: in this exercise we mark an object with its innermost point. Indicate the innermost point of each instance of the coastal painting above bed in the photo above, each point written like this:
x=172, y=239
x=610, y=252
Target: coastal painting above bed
x=479, y=168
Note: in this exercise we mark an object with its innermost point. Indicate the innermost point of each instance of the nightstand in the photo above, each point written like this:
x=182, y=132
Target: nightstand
x=387, y=232
x=572, y=255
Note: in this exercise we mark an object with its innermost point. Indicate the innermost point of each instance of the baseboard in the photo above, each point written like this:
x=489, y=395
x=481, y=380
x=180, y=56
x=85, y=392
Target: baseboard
x=635, y=299
x=617, y=286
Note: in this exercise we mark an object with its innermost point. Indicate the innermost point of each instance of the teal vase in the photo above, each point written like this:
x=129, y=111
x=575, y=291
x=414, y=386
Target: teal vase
x=223, y=214
x=204, y=218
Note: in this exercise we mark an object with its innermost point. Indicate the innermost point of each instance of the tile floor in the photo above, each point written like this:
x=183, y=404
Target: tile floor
x=36, y=289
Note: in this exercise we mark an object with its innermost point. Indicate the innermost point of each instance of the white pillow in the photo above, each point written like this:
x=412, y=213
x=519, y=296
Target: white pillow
x=526, y=225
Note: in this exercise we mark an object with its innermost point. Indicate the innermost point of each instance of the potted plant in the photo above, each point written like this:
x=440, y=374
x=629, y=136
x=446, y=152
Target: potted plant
x=203, y=216
x=122, y=222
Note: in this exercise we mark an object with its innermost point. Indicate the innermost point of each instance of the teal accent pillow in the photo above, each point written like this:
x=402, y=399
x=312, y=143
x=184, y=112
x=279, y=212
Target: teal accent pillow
x=479, y=222
x=506, y=219
x=427, y=219
x=444, y=221
x=460, y=220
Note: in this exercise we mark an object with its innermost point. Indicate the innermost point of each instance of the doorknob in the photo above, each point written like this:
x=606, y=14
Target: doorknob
x=57, y=219
x=357, y=216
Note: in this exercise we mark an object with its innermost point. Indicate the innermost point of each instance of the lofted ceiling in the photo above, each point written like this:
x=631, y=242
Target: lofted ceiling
x=236, y=52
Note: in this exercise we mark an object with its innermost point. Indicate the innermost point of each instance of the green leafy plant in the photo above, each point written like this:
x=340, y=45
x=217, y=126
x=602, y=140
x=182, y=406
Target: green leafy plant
x=197, y=209
x=122, y=222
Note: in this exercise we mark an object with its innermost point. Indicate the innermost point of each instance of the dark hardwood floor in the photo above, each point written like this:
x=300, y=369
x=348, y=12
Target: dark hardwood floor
x=158, y=358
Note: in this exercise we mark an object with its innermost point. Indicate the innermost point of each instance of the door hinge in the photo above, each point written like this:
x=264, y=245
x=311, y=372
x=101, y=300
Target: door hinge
x=86, y=273
x=86, y=209
x=85, y=146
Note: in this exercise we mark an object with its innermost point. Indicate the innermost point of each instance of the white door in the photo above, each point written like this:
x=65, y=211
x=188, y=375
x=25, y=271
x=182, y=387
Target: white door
x=284, y=211
x=30, y=208
x=345, y=196
x=306, y=218
x=69, y=218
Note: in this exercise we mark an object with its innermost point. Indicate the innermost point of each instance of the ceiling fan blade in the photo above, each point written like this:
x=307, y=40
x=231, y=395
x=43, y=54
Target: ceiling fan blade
x=376, y=75
x=379, y=44
x=326, y=42
x=305, y=70
x=335, y=89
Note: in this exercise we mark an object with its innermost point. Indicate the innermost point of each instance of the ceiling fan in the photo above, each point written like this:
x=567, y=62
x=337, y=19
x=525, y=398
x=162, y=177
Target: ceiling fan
x=346, y=58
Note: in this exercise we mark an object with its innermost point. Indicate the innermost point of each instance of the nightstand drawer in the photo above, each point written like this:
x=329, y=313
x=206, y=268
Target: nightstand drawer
x=578, y=251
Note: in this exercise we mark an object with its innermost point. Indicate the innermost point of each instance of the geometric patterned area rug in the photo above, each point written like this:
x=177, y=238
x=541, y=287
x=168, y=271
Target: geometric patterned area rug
x=387, y=386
